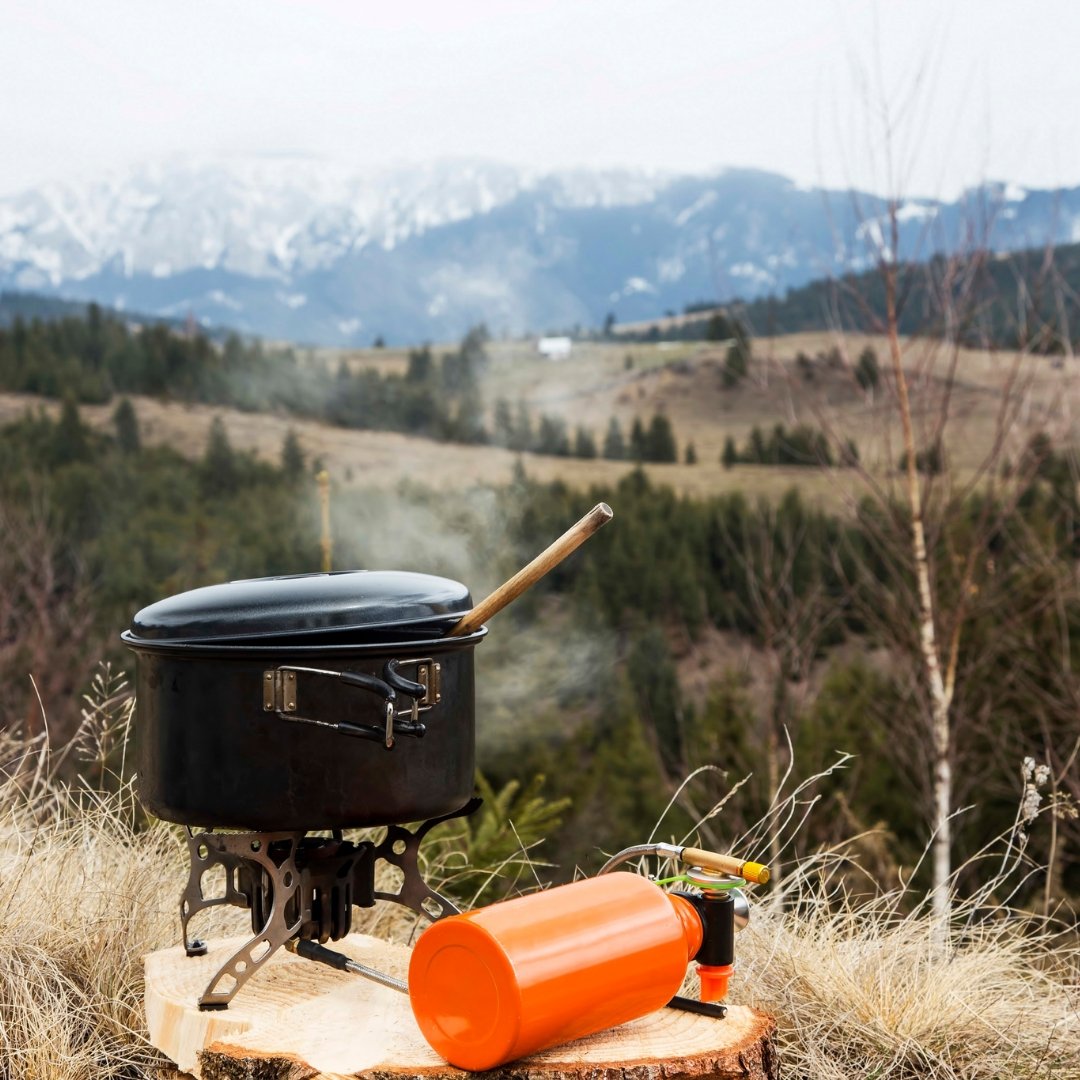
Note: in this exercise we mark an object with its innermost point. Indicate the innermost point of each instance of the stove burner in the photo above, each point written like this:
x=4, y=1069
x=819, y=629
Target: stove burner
x=299, y=888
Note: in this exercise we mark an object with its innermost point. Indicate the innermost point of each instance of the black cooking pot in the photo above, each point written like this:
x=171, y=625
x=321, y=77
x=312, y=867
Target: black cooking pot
x=317, y=701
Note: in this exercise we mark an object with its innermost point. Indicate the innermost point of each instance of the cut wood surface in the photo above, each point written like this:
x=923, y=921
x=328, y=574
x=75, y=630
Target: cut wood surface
x=296, y=1020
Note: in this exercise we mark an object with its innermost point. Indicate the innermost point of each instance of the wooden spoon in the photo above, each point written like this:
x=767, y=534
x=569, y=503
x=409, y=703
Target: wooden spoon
x=529, y=575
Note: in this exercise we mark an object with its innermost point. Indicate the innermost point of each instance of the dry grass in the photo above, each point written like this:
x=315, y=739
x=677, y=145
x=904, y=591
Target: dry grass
x=386, y=460
x=81, y=901
x=860, y=986
x=862, y=990
x=863, y=982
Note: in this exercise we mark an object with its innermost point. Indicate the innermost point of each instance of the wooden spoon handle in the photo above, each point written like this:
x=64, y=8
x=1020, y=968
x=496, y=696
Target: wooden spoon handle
x=529, y=575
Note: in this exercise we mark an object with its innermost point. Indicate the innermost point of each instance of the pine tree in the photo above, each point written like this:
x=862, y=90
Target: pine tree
x=552, y=437
x=776, y=448
x=757, y=453
x=292, y=456
x=584, y=443
x=718, y=328
x=637, y=440
x=867, y=373
x=70, y=441
x=736, y=364
x=691, y=454
x=219, y=472
x=730, y=456
x=660, y=441
x=614, y=443
x=127, y=427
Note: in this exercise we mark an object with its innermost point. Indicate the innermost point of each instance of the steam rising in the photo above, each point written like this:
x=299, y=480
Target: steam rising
x=534, y=682
x=461, y=536
x=535, y=669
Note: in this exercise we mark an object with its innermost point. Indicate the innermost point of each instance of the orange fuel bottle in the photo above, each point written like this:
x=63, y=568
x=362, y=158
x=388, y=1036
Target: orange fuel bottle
x=496, y=984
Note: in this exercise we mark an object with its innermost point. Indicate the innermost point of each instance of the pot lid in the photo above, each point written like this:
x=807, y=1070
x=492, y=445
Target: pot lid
x=369, y=602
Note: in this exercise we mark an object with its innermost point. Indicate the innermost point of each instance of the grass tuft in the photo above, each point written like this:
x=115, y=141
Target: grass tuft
x=864, y=991
x=867, y=982
x=81, y=900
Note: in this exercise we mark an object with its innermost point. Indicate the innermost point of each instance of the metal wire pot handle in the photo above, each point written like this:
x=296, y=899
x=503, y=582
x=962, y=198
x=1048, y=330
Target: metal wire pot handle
x=279, y=696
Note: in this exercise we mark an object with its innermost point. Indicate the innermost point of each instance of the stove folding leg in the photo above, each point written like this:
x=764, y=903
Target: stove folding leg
x=276, y=854
x=300, y=888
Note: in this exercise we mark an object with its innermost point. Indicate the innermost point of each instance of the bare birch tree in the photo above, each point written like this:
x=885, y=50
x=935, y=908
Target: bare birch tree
x=919, y=491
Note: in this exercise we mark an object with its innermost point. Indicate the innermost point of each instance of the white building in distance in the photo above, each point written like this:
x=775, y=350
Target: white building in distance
x=555, y=348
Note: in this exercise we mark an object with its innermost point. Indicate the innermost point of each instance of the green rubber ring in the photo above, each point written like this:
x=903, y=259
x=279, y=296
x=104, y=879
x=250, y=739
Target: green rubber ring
x=732, y=883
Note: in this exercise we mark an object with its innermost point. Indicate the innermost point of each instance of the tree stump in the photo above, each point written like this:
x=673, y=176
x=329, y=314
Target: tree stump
x=297, y=1020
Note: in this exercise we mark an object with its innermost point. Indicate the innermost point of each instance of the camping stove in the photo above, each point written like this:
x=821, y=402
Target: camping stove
x=299, y=888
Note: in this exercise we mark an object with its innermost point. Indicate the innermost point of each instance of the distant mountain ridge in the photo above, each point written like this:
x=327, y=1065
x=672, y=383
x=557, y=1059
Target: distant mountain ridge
x=307, y=250
x=28, y=306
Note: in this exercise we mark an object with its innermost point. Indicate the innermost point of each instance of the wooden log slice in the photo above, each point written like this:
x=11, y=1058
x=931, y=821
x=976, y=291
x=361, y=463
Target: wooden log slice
x=296, y=1020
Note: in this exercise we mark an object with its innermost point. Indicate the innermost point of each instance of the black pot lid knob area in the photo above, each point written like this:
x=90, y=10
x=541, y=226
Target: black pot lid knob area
x=369, y=603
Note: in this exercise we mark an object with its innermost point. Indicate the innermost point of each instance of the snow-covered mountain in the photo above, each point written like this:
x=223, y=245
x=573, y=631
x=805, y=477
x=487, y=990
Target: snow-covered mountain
x=309, y=250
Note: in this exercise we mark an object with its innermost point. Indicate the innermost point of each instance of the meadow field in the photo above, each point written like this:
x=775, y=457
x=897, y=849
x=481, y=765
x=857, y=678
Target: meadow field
x=682, y=380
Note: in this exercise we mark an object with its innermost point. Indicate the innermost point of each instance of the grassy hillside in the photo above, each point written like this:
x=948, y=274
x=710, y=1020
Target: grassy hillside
x=685, y=382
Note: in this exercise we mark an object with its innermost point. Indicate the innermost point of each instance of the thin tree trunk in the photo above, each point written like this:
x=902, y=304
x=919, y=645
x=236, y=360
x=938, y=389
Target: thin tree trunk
x=772, y=765
x=939, y=696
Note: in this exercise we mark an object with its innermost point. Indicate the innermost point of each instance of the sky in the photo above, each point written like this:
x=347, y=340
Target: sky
x=912, y=97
